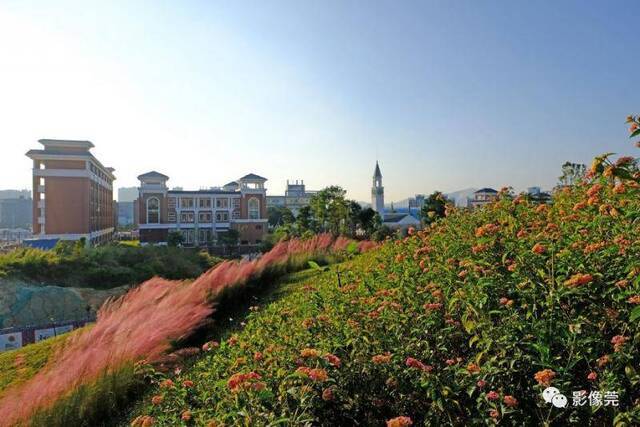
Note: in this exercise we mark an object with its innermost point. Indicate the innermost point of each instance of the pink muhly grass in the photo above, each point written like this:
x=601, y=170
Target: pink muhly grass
x=142, y=323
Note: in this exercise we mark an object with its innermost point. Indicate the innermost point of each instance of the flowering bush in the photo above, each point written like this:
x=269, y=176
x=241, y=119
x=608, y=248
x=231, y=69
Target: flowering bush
x=464, y=323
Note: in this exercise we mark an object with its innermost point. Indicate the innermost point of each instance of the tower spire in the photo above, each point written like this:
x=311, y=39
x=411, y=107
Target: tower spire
x=377, y=191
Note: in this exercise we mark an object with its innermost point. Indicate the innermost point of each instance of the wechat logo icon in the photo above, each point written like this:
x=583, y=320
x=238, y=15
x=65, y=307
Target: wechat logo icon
x=552, y=395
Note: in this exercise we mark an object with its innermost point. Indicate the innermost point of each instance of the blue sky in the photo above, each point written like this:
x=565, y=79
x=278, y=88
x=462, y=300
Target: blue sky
x=447, y=95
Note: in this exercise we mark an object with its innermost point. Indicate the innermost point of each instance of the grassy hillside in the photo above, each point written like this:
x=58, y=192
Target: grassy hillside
x=465, y=323
x=18, y=366
x=103, y=267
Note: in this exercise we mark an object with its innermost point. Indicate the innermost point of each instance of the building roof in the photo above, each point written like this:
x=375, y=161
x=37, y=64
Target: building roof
x=252, y=176
x=152, y=174
x=486, y=190
x=376, y=172
x=396, y=217
x=66, y=143
x=232, y=183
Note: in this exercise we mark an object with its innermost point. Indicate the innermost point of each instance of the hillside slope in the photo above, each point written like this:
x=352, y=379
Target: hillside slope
x=463, y=324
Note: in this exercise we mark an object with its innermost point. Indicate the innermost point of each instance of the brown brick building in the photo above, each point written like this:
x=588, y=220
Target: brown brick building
x=201, y=216
x=72, y=193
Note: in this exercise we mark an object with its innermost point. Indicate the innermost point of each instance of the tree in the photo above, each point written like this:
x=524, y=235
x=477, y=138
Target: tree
x=369, y=220
x=433, y=208
x=382, y=233
x=229, y=237
x=305, y=220
x=280, y=215
x=330, y=209
x=175, y=238
x=572, y=173
x=354, y=217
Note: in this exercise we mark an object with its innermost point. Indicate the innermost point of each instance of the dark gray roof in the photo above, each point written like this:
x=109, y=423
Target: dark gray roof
x=234, y=183
x=486, y=190
x=152, y=174
x=253, y=176
x=395, y=217
x=376, y=172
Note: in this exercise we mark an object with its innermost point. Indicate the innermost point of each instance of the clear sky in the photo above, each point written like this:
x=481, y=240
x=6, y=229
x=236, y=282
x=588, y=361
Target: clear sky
x=446, y=94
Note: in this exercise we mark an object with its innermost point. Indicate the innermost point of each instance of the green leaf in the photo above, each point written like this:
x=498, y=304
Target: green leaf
x=635, y=133
x=314, y=265
x=635, y=314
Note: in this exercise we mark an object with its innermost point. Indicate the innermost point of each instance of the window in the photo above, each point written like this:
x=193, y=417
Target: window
x=186, y=203
x=204, y=203
x=236, y=203
x=153, y=210
x=222, y=203
x=171, y=202
x=204, y=217
x=258, y=227
x=204, y=236
x=254, y=208
x=222, y=216
x=188, y=236
x=235, y=214
x=187, y=216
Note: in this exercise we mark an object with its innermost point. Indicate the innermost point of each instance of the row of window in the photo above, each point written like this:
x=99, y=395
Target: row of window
x=206, y=236
x=153, y=211
x=203, y=203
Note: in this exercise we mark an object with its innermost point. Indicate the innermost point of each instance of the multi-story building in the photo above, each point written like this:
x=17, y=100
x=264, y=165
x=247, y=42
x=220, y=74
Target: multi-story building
x=202, y=215
x=296, y=196
x=483, y=197
x=72, y=193
x=16, y=213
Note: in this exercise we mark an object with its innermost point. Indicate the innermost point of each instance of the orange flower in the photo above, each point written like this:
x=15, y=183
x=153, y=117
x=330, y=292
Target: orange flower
x=333, y=360
x=472, y=368
x=603, y=361
x=318, y=375
x=327, y=395
x=545, y=377
x=592, y=376
x=309, y=353
x=510, y=401
x=257, y=356
x=594, y=190
x=379, y=359
x=635, y=299
x=538, y=249
x=187, y=383
x=411, y=231
x=143, y=421
x=415, y=363
x=186, y=416
x=157, y=399
x=618, y=342
x=399, y=422
x=166, y=383
x=578, y=280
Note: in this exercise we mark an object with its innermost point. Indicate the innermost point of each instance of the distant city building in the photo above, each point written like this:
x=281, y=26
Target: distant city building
x=377, y=191
x=73, y=193
x=16, y=213
x=126, y=213
x=536, y=195
x=202, y=215
x=296, y=196
x=483, y=197
x=127, y=194
x=15, y=194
